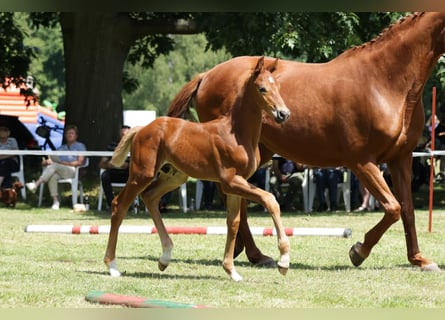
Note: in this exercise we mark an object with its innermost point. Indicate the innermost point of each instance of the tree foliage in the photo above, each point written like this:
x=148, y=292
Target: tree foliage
x=15, y=57
x=106, y=52
x=47, y=67
x=158, y=85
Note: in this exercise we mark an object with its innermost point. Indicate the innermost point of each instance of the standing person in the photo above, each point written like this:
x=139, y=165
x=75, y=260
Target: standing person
x=8, y=163
x=327, y=178
x=113, y=174
x=62, y=167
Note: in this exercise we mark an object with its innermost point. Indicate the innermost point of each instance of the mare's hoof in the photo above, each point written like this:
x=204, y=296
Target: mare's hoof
x=282, y=270
x=266, y=262
x=432, y=267
x=162, y=266
x=354, y=255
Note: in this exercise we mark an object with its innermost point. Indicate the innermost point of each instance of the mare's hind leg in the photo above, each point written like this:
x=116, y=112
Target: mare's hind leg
x=119, y=206
x=168, y=180
x=401, y=179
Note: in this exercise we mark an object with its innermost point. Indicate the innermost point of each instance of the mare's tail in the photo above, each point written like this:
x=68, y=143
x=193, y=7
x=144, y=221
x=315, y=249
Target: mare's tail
x=122, y=149
x=181, y=103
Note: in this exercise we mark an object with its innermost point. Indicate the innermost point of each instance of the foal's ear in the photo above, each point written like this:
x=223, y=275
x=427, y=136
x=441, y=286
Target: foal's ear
x=259, y=67
x=273, y=67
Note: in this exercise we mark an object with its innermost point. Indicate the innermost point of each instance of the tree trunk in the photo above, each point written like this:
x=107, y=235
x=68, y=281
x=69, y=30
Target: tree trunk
x=96, y=46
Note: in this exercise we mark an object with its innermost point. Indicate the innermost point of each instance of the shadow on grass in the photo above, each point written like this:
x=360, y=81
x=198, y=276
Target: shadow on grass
x=155, y=275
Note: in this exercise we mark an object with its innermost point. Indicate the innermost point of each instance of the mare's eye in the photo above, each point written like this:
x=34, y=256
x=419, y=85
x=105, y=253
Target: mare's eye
x=262, y=90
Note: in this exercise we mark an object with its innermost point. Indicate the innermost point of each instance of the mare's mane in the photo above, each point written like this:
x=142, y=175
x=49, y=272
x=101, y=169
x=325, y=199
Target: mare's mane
x=386, y=33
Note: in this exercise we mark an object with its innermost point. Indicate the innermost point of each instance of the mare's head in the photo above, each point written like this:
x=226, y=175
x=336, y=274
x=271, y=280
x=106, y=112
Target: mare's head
x=268, y=91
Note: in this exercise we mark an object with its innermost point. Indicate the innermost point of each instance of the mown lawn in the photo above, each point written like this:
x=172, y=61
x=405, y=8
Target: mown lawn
x=58, y=270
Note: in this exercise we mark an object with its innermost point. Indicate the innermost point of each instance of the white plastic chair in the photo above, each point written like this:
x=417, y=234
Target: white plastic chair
x=76, y=185
x=20, y=175
x=113, y=185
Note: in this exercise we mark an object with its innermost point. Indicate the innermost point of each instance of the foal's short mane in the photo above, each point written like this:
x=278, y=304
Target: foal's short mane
x=402, y=22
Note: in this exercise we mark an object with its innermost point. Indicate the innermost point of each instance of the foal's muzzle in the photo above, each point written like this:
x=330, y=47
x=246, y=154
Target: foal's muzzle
x=281, y=114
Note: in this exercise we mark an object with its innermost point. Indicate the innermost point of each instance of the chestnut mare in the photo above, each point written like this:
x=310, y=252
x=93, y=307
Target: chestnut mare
x=358, y=110
x=224, y=150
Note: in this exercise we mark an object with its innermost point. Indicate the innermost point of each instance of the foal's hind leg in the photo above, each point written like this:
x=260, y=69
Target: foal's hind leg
x=166, y=182
x=120, y=205
x=232, y=221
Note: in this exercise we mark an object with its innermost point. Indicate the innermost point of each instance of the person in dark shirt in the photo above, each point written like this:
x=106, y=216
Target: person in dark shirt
x=8, y=163
x=111, y=173
x=285, y=172
x=327, y=178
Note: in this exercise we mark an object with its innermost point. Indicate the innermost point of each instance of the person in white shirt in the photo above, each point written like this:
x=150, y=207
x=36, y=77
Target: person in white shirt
x=62, y=167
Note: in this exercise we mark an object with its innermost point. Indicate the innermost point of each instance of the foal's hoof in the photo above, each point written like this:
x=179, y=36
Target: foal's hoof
x=112, y=268
x=354, y=255
x=162, y=266
x=432, y=267
x=235, y=276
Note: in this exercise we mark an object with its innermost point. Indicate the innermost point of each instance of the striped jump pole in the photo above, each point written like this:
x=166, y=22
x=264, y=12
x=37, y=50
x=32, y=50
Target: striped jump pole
x=134, y=301
x=258, y=231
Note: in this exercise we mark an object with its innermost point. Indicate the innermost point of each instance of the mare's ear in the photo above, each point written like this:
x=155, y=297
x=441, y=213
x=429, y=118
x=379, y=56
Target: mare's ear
x=259, y=67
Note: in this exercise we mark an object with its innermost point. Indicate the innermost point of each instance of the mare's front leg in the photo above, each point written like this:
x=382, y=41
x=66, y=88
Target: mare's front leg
x=232, y=221
x=119, y=206
x=239, y=186
x=168, y=180
x=369, y=175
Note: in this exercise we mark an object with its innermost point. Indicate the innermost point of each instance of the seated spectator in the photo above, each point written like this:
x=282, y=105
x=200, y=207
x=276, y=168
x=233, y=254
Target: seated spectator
x=285, y=171
x=62, y=167
x=259, y=178
x=327, y=178
x=8, y=163
x=113, y=174
x=208, y=194
x=366, y=196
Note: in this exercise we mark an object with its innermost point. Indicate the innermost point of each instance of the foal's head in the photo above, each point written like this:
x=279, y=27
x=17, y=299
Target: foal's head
x=269, y=91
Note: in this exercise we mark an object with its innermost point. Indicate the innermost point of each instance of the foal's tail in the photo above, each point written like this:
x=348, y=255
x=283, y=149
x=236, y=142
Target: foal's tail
x=181, y=103
x=122, y=149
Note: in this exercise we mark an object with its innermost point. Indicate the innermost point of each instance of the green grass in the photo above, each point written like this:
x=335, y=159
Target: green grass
x=58, y=270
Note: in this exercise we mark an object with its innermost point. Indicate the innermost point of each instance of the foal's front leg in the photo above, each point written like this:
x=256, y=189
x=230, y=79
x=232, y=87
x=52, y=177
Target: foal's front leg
x=233, y=219
x=238, y=185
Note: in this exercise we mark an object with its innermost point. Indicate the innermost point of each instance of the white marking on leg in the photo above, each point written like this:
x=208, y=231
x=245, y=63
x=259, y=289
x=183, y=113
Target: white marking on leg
x=235, y=275
x=112, y=267
x=166, y=256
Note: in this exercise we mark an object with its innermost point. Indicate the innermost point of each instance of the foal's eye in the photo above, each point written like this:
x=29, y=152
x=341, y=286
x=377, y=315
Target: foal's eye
x=262, y=90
